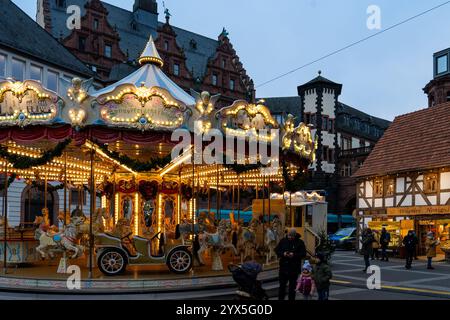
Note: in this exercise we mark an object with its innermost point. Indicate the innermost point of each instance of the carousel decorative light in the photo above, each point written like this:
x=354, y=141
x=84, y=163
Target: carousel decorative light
x=77, y=116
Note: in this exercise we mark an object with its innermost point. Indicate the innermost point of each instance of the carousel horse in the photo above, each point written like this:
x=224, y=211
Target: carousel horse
x=66, y=240
x=123, y=231
x=217, y=242
x=204, y=224
x=247, y=240
x=99, y=220
x=272, y=238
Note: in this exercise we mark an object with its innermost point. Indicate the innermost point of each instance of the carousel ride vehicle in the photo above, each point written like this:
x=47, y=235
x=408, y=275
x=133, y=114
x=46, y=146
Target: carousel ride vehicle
x=115, y=252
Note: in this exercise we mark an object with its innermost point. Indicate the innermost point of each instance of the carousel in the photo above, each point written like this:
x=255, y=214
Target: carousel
x=91, y=179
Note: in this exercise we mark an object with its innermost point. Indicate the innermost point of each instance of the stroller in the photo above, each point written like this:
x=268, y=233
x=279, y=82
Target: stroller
x=246, y=277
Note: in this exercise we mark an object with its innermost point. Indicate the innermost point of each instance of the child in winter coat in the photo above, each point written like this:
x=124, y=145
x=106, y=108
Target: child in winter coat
x=305, y=283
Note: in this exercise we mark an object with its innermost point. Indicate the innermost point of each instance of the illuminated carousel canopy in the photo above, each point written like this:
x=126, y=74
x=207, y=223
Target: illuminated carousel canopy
x=149, y=76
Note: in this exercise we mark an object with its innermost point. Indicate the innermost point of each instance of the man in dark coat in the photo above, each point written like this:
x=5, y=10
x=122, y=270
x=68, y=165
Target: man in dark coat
x=366, y=250
x=291, y=250
x=410, y=243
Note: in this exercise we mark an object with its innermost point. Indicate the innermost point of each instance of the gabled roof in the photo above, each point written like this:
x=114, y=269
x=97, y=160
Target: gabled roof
x=132, y=41
x=415, y=141
x=21, y=33
x=150, y=75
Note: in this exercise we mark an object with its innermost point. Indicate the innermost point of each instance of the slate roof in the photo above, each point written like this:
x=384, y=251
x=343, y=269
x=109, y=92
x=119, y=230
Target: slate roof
x=132, y=42
x=346, y=109
x=415, y=141
x=21, y=33
x=285, y=106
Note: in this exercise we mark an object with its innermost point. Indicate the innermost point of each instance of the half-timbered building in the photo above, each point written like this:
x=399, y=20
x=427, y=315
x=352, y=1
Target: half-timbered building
x=404, y=184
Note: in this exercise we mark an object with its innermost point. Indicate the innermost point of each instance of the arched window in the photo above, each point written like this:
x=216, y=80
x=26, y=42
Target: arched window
x=33, y=201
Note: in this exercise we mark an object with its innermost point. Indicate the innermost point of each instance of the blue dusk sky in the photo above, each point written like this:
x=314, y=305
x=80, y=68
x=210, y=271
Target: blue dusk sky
x=383, y=76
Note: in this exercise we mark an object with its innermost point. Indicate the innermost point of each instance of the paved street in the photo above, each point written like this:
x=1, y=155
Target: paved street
x=349, y=283
x=397, y=282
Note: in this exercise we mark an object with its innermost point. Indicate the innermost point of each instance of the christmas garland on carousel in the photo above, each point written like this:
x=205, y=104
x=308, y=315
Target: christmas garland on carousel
x=136, y=165
x=25, y=162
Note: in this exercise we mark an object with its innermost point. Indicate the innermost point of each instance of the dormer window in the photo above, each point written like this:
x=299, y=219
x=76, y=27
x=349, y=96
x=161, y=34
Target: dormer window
x=441, y=64
x=193, y=44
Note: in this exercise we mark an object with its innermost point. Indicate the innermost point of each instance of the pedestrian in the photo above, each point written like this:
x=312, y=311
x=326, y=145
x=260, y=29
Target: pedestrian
x=410, y=243
x=430, y=246
x=291, y=251
x=322, y=276
x=367, y=240
x=375, y=246
x=385, y=239
x=305, y=284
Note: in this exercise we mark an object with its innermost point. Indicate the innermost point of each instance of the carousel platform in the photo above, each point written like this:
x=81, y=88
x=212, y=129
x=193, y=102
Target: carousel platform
x=43, y=278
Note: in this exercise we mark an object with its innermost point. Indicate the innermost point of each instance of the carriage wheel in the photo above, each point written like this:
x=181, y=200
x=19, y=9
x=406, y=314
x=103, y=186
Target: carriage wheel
x=112, y=262
x=179, y=261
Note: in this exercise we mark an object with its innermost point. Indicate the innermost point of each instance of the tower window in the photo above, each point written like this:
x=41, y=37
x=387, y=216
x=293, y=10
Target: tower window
x=448, y=96
x=176, y=69
x=82, y=44
x=96, y=24
x=60, y=3
x=166, y=45
x=108, y=51
x=442, y=64
x=232, y=85
x=214, y=80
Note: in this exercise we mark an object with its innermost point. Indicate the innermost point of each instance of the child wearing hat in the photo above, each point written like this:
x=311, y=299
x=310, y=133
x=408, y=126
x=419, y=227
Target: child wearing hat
x=305, y=283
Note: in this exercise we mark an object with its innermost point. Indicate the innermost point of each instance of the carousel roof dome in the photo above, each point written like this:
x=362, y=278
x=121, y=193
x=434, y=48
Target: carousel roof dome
x=150, y=75
x=151, y=54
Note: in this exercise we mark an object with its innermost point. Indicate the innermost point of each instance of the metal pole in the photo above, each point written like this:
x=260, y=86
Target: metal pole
x=239, y=198
x=264, y=207
x=45, y=191
x=114, y=200
x=268, y=191
x=5, y=218
x=92, y=198
x=65, y=188
x=194, y=196
x=217, y=194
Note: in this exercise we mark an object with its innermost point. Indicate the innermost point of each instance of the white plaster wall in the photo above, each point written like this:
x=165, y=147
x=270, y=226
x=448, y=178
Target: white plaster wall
x=378, y=203
x=433, y=200
x=420, y=201
x=445, y=180
x=328, y=105
x=399, y=186
x=444, y=197
x=408, y=201
x=362, y=204
x=328, y=139
x=389, y=202
x=369, y=190
x=310, y=102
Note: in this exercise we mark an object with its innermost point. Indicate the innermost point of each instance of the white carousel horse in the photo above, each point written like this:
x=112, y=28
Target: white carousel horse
x=217, y=242
x=273, y=236
x=65, y=241
x=247, y=240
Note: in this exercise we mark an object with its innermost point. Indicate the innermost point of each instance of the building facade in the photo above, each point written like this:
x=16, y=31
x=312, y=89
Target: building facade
x=405, y=182
x=27, y=52
x=345, y=137
x=111, y=39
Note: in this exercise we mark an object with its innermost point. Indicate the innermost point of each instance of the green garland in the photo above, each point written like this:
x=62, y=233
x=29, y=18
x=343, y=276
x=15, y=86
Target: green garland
x=242, y=168
x=136, y=165
x=24, y=162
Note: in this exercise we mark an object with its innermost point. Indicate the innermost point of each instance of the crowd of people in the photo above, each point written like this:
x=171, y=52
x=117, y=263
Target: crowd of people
x=298, y=275
x=371, y=242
